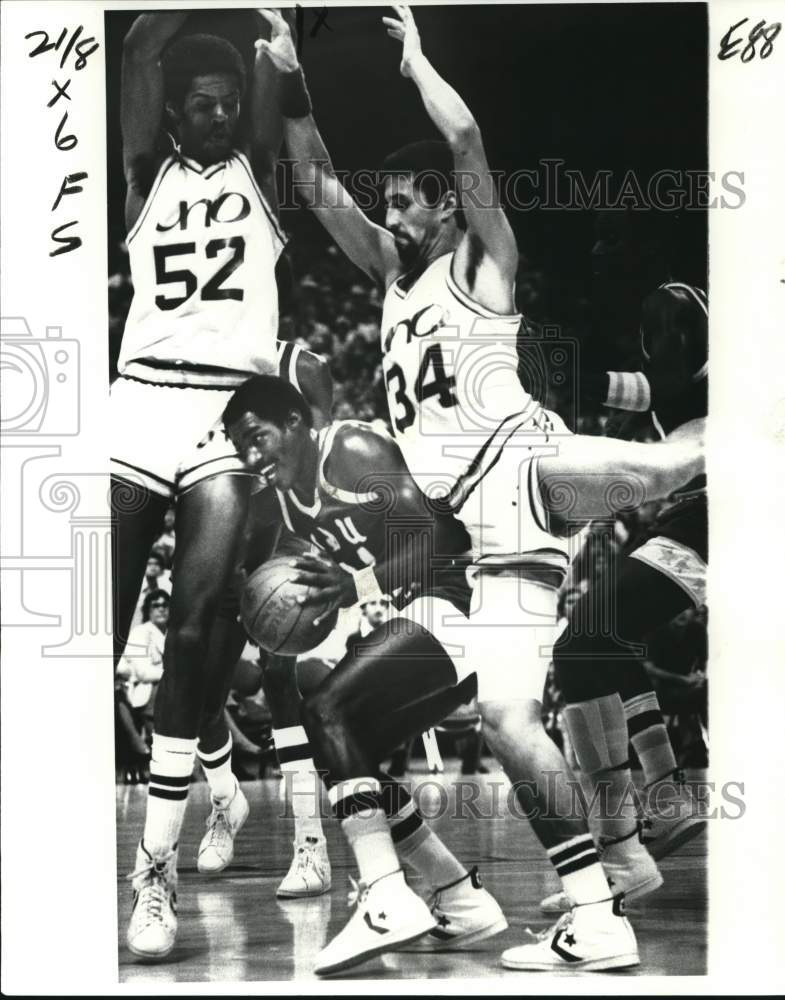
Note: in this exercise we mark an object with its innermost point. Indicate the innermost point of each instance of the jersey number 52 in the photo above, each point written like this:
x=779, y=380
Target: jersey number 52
x=213, y=289
x=440, y=385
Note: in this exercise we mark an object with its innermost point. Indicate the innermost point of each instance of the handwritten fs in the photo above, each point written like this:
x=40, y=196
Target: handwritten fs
x=80, y=49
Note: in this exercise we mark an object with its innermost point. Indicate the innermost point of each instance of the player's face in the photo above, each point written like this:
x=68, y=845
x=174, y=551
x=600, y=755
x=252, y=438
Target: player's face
x=209, y=117
x=413, y=224
x=275, y=452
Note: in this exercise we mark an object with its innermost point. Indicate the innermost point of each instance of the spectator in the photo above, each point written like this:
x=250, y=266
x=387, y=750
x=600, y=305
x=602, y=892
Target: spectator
x=165, y=543
x=156, y=577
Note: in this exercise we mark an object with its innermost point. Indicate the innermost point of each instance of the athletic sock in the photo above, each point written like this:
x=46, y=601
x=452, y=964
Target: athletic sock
x=598, y=730
x=357, y=803
x=302, y=781
x=578, y=866
x=171, y=767
x=415, y=841
x=217, y=767
x=650, y=737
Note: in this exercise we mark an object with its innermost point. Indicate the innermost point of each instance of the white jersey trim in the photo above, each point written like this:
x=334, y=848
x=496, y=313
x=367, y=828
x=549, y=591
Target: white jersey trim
x=162, y=170
x=470, y=303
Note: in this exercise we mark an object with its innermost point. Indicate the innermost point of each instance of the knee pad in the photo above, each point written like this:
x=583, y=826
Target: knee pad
x=598, y=730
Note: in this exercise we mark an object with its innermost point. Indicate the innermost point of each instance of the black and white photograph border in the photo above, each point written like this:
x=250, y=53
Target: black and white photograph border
x=70, y=822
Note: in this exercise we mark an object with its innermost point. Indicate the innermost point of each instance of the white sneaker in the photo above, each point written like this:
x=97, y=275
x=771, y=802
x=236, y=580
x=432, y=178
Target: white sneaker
x=153, y=926
x=309, y=873
x=388, y=915
x=671, y=819
x=223, y=824
x=628, y=867
x=590, y=938
x=465, y=913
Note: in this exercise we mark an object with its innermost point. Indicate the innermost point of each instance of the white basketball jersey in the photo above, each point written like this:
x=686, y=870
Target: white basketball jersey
x=450, y=369
x=203, y=255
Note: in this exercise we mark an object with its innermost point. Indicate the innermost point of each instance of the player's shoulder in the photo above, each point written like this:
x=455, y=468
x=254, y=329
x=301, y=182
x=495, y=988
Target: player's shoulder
x=358, y=443
x=678, y=296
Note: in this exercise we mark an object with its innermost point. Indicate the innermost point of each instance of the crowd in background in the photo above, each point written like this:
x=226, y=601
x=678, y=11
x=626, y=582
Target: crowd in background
x=332, y=309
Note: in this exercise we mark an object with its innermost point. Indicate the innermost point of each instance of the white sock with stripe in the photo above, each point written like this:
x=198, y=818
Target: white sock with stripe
x=357, y=802
x=217, y=767
x=303, y=784
x=419, y=846
x=171, y=768
x=578, y=866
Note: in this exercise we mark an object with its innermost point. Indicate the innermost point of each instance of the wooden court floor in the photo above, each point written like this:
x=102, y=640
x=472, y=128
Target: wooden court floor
x=233, y=929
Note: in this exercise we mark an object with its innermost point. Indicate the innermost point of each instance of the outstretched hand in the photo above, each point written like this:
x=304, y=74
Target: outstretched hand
x=280, y=48
x=332, y=583
x=405, y=30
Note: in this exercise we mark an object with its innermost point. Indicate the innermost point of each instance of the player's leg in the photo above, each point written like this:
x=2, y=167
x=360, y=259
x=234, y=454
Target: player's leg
x=309, y=873
x=137, y=517
x=610, y=700
x=229, y=806
x=511, y=634
x=399, y=664
x=210, y=522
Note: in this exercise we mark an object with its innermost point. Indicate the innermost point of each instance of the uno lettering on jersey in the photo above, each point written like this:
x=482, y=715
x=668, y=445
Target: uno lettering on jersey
x=450, y=369
x=203, y=255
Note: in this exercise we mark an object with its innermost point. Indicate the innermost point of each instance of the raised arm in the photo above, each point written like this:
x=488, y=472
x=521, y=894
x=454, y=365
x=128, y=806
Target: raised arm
x=266, y=122
x=141, y=103
x=490, y=239
x=367, y=245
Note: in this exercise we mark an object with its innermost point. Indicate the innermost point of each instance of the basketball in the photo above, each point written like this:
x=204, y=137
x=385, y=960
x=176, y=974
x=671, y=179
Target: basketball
x=271, y=614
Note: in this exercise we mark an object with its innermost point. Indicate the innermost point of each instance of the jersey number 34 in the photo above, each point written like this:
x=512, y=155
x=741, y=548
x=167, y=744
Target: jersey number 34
x=213, y=289
x=440, y=385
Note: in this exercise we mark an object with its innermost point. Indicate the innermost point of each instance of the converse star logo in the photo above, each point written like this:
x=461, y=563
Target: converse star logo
x=562, y=952
x=373, y=926
x=382, y=916
x=611, y=882
x=443, y=921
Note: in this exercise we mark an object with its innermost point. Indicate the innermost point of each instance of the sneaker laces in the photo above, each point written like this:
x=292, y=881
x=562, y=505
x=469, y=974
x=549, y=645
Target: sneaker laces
x=564, y=921
x=357, y=893
x=153, y=897
x=216, y=819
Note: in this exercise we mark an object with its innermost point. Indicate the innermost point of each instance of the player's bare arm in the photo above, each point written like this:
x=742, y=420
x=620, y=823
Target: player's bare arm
x=384, y=473
x=265, y=121
x=592, y=462
x=367, y=245
x=316, y=384
x=486, y=259
x=142, y=103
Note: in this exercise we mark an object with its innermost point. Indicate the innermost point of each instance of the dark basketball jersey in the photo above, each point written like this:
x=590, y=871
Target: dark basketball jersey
x=357, y=529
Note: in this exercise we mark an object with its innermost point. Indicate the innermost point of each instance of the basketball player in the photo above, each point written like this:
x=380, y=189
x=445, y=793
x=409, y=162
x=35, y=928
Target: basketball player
x=611, y=701
x=203, y=243
x=471, y=436
x=346, y=490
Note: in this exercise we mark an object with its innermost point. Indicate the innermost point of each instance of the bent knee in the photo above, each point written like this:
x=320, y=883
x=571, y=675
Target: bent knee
x=514, y=719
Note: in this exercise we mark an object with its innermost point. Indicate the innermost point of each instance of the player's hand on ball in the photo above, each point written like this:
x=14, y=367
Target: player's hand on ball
x=405, y=30
x=331, y=582
x=280, y=48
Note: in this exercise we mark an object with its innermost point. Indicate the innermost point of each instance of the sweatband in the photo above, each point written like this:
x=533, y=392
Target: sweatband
x=628, y=391
x=367, y=585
